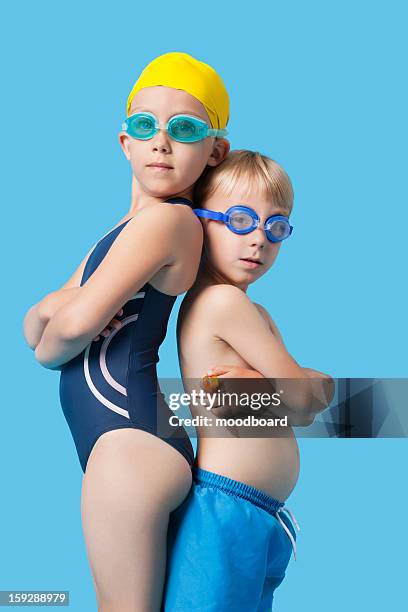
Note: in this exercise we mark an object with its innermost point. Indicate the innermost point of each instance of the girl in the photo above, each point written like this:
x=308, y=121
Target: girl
x=177, y=114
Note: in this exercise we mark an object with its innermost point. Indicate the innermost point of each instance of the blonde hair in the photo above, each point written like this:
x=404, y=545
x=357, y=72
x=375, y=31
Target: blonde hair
x=255, y=169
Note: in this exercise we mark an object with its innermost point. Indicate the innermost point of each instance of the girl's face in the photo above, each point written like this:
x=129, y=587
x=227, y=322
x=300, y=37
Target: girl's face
x=181, y=163
x=239, y=259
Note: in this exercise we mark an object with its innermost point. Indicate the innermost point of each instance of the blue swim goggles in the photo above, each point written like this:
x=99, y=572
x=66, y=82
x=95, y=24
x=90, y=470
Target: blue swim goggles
x=182, y=128
x=241, y=219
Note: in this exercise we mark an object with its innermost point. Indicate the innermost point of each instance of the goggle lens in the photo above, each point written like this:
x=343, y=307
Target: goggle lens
x=279, y=230
x=186, y=130
x=141, y=126
x=241, y=221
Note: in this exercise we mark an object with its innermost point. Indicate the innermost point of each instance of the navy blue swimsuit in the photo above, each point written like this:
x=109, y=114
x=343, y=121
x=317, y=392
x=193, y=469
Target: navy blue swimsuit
x=112, y=383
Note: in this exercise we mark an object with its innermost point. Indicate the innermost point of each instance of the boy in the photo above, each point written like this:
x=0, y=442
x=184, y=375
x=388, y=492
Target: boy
x=229, y=543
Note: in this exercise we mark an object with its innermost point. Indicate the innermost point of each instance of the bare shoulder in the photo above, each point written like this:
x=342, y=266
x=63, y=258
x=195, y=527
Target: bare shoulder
x=225, y=295
x=207, y=309
x=187, y=226
x=222, y=299
x=176, y=223
x=175, y=214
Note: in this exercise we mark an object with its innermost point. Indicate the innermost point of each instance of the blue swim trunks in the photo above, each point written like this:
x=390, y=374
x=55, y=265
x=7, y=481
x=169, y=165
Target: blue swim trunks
x=228, y=548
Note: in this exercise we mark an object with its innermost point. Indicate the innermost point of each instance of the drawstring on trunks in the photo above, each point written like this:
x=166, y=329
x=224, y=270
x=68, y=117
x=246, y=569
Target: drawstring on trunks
x=284, y=509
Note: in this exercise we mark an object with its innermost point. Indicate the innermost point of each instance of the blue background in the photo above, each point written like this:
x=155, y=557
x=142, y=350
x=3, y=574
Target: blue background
x=321, y=88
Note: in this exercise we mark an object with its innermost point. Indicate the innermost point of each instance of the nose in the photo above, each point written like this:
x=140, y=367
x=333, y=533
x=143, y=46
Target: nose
x=257, y=238
x=161, y=142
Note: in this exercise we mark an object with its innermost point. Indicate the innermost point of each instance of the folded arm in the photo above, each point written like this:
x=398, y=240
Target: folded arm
x=259, y=343
x=141, y=249
x=40, y=314
x=323, y=387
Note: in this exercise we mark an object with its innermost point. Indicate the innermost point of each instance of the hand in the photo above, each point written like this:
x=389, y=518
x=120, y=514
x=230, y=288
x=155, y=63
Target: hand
x=210, y=382
x=240, y=383
x=114, y=324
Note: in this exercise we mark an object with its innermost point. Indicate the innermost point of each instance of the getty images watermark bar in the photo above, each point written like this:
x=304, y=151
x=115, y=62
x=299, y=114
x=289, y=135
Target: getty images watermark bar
x=359, y=408
x=34, y=598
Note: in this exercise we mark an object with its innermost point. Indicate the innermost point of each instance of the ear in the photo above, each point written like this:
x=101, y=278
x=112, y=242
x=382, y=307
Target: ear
x=124, y=140
x=220, y=151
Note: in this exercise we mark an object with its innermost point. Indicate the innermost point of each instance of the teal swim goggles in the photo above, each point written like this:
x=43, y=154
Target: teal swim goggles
x=241, y=219
x=182, y=128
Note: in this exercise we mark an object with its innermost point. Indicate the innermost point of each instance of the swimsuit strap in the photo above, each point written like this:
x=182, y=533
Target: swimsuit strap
x=179, y=200
x=284, y=509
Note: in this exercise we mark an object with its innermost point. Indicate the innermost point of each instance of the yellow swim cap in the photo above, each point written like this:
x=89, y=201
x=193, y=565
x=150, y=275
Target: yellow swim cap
x=181, y=71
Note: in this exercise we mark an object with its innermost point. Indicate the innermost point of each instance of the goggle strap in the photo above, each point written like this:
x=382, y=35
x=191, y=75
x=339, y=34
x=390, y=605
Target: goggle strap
x=217, y=133
x=209, y=214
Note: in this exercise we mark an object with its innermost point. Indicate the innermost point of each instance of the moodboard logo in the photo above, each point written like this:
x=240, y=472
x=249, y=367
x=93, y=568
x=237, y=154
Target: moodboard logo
x=360, y=408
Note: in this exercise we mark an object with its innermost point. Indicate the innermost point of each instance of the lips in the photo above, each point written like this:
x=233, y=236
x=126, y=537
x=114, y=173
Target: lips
x=252, y=259
x=251, y=262
x=159, y=165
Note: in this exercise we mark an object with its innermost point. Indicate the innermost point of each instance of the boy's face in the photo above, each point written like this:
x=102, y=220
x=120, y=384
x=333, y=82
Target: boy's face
x=228, y=253
x=184, y=162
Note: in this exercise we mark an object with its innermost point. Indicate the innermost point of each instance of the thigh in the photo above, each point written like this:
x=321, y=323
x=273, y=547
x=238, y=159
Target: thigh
x=140, y=458
x=132, y=482
x=217, y=554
